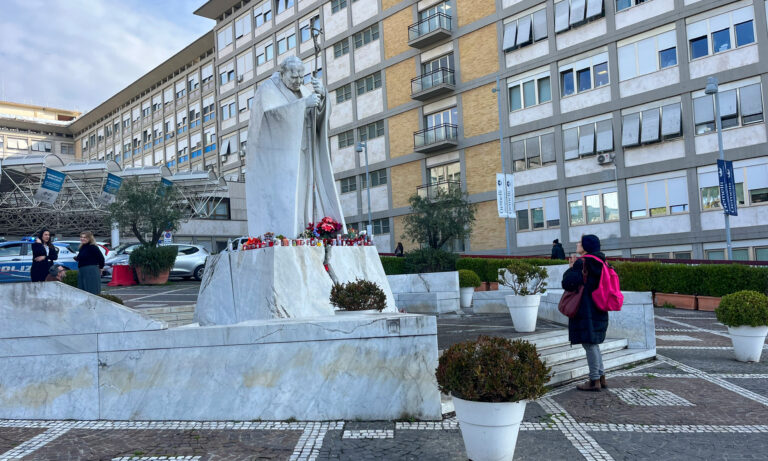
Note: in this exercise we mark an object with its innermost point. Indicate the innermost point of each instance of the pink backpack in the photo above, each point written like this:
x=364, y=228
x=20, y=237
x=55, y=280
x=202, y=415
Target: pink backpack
x=607, y=296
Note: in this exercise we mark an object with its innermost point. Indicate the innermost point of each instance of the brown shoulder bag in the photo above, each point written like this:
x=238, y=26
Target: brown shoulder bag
x=569, y=302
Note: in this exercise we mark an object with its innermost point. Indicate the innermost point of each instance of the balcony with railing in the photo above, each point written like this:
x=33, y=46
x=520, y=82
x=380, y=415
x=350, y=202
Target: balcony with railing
x=436, y=138
x=432, y=84
x=431, y=190
x=429, y=30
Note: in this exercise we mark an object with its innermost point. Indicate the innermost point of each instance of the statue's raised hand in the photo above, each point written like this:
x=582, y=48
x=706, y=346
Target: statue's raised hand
x=317, y=86
x=313, y=100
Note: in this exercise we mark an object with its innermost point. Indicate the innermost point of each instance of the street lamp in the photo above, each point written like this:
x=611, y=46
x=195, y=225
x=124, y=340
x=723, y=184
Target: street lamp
x=712, y=89
x=363, y=146
x=497, y=90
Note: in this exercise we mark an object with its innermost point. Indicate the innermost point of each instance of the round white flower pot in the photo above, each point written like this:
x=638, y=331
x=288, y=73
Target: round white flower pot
x=748, y=342
x=466, y=296
x=489, y=429
x=523, y=310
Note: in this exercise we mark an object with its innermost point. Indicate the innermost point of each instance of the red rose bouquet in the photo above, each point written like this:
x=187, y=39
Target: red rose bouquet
x=327, y=228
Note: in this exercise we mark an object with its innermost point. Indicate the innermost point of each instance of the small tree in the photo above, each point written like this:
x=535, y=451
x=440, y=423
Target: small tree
x=437, y=219
x=146, y=209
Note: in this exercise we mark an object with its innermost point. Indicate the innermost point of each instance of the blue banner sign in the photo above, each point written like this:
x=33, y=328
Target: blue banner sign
x=51, y=186
x=111, y=186
x=727, y=183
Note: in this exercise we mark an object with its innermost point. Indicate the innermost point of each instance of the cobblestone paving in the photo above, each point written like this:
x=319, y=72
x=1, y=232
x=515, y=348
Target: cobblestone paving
x=642, y=416
x=175, y=293
x=453, y=329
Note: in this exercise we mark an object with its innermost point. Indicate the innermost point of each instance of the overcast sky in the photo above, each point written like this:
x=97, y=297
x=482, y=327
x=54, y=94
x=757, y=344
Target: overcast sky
x=75, y=54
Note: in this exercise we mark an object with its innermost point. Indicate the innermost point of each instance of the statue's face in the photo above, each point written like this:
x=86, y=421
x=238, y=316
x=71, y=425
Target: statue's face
x=293, y=77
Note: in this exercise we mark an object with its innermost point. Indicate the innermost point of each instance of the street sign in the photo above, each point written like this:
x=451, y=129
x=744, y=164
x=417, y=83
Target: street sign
x=51, y=186
x=167, y=238
x=111, y=186
x=727, y=183
x=501, y=195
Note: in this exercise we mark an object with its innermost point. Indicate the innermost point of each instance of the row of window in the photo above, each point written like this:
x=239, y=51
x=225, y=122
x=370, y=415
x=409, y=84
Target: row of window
x=378, y=178
x=36, y=146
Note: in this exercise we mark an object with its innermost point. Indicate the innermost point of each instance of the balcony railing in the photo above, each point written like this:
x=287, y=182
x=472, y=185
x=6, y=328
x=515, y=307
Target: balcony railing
x=433, y=83
x=431, y=190
x=436, y=138
x=429, y=30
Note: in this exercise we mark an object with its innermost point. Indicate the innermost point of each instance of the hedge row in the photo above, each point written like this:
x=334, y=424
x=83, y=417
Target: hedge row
x=488, y=268
x=393, y=265
x=704, y=280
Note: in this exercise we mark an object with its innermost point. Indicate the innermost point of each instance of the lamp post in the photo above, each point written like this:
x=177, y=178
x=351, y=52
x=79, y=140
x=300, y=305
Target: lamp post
x=497, y=90
x=712, y=89
x=363, y=147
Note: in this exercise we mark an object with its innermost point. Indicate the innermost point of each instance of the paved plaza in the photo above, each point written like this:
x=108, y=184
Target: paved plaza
x=694, y=402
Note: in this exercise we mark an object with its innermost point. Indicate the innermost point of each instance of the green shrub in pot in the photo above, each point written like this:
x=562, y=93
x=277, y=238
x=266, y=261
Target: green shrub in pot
x=468, y=279
x=154, y=260
x=743, y=308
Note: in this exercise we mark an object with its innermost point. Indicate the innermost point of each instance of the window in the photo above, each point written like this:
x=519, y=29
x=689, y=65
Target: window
x=346, y=139
x=573, y=13
x=344, y=93
x=283, y=5
x=224, y=37
x=533, y=152
x=651, y=125
x=348, y=185
x=588, y=139
x=340, y=48
x=624, y=4
x=41, y=146
x=658, y=198
x=529, y=92
x=525, y=30
x=378, y=178
x=338, y=5
x=305, y=30
x=208, y=112
x=722, y=31
x=445, y=173
x=145, y=110
x=370, y=131
x=244, y=100
x=380, y=226
x=262, y=14
x=193, y=82
x=368, y=83
x=209, y=136
x=738, y=107
x=244, y=65
x=264, y=53
x=227, y=72
x=750, y=179
x=228, y=110
x=286, y=43
x=216, y=209
x=242, y=26
x=366, y=36
x=593, y=207
x=584, y=75
x=647, y=55
x=537, y=214
x=66, y=149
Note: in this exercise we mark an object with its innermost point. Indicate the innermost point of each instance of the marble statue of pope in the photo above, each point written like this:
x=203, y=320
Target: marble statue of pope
x=288, y=175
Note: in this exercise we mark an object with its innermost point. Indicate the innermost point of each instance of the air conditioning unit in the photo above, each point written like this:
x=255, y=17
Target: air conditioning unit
x=605, y=158
x=224, y=158
x=242, y=153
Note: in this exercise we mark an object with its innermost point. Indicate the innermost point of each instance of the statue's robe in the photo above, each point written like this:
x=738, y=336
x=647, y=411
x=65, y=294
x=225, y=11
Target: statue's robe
x=288, y=175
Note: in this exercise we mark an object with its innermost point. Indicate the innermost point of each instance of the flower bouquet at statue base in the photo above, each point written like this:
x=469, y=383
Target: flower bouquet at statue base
x=323, y=232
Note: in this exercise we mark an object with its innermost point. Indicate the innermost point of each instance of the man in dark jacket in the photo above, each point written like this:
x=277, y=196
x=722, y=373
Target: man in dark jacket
x=589, y=325
x=557, y=250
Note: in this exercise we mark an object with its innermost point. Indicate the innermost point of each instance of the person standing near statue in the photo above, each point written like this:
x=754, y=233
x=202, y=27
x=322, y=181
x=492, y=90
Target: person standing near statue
x=90, y=261
x=44, y=253
x=289, y=177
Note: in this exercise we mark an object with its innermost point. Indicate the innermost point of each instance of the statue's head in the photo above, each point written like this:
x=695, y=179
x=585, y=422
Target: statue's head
x=292, y=72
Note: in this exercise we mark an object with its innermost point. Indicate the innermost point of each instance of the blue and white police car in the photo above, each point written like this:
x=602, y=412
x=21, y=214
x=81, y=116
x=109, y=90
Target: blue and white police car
x=16, y=259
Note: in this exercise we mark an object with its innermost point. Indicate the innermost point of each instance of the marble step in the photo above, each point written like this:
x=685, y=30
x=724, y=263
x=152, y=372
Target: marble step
x=566, y=353
x=578, y=368
x=548, y=339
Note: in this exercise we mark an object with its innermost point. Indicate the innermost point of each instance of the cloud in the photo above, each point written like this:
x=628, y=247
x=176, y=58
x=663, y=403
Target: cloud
x=75, y=54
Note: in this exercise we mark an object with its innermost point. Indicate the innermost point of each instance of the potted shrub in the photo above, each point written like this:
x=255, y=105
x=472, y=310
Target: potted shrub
x=153, y=264
x=468, y=281
x=491, y=379
x=745, y=313
x=360, y=296
x=527, y=281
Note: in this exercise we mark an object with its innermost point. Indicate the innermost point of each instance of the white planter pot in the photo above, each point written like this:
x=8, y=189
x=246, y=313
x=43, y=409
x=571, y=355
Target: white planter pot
x=466, y=296
x=523, y=310
x=489, y=429
x=748, y=342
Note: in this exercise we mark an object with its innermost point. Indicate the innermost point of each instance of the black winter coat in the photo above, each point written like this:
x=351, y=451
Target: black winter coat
x=590, y=323
x=557, y=251
x=39, y=269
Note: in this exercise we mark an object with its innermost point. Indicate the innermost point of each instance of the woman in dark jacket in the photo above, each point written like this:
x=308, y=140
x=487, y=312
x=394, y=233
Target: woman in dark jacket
x=590, y=323
x=90, y=261
x=44, y=253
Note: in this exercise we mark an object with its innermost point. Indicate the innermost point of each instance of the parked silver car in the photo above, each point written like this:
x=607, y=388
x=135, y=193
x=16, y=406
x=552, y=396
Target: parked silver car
x=190, y=261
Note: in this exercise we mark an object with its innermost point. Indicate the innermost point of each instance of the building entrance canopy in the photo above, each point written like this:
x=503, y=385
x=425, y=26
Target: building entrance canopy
x=78, y=205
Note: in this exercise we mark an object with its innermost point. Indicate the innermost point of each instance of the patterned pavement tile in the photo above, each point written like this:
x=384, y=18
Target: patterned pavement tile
x=80, y=444
x=683, y=447
x=11, y=437
x=706, y=397
x=692, y=338
x=758, y=386
x=716, y=361
x=408, y=445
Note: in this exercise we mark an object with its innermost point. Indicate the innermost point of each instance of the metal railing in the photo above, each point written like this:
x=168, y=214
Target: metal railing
x=429, y=24
x=432, y=79
x=431, y=190
x=436, y=134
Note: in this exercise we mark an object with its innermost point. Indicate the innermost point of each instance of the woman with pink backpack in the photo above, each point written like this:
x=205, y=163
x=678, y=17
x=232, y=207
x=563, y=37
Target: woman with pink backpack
x=588, y=326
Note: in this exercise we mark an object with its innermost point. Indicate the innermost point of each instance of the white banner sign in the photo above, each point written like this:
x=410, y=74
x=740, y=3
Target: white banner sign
x=505, y=195
x=510, y=195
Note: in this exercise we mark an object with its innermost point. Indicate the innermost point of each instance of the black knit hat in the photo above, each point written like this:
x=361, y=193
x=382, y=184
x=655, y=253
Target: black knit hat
x=590, y=243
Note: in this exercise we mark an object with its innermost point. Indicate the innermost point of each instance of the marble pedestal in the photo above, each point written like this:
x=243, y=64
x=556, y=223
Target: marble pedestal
x=282, y=282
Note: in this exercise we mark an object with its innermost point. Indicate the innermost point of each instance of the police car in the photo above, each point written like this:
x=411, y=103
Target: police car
x=16, y=259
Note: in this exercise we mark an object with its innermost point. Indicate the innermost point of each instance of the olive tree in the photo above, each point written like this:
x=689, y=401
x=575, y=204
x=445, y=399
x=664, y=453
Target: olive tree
x=146, y=210
x=437, y=218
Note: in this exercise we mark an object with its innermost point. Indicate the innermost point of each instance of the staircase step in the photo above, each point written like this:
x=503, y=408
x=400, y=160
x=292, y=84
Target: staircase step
x=566, y=353
x=548, y=339
x=576, y=369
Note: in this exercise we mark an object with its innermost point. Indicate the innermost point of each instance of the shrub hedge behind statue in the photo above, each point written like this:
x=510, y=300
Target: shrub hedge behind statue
x=360, y=295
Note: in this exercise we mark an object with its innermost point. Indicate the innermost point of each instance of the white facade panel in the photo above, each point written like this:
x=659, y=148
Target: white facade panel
x=377, y=151
x=732, y=139
x=748, y=216
x=341, y=114
x=334, y=23
x=660, y=225
x=538, y=237
x=604, y=231
x=582, y=166
x=527, y=53
x=536, y=175
x=653, y=153
x=364, y=9
x=379, y=199
x=649, y=82
x=370, y=103
x=367, y=55
x=582, y=34
x=642, y=12
x=530, y=114
x=342, y=159
x=585, y=99
x=724, y=61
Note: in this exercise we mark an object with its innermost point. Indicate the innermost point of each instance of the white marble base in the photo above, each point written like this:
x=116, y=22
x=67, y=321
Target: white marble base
x=430, y=293
x=281, y=282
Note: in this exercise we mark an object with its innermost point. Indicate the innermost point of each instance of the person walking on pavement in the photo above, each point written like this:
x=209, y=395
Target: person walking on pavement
x=589, y=325
x=399, y=249
x=557, y=250
x=90, y=261
x=44, y=253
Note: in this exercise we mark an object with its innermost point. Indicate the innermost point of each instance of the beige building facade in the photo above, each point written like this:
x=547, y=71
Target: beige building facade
x=605, y=124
